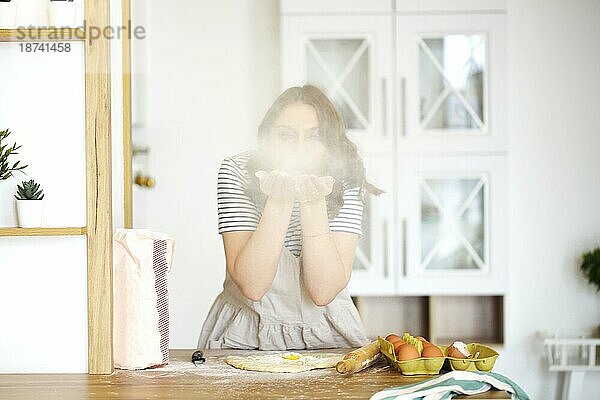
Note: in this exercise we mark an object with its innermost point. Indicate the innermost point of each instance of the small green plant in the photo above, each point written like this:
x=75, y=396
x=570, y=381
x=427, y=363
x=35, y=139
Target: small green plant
x=6, y=151
x=590, y=265
x=29, y=191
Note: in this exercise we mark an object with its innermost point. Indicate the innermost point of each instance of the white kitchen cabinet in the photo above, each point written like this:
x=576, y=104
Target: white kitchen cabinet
x=424, y=6
x=335, y=6
x=423, y=95
x=453, y=224
x=320, y=7
x=451, y=86
x=350, y=58
x=373, y=270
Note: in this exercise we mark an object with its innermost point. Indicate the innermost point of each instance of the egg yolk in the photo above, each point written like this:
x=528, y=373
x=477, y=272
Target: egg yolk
x=292, y=356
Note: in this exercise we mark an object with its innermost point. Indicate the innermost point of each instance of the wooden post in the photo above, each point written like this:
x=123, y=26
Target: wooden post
x=99, y=190
x=127, y=110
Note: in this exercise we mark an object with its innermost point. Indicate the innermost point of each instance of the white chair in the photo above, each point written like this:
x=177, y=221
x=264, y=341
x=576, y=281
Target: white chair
x=574, y=357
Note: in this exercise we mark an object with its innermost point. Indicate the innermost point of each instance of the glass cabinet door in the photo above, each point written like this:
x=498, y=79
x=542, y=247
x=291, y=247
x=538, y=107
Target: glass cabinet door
x=452, y=84
x=341, y=68
x=373, y=271
x=349, y=58
x=455, y=211
x=454, y=224
x=451, y=79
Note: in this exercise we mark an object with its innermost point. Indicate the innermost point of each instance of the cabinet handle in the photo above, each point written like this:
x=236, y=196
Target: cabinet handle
x=386, y=271
x=402, y=110
x=384, y=106
x=404, y=246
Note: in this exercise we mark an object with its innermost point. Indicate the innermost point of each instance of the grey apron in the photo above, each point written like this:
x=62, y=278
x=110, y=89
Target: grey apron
x=285, y=318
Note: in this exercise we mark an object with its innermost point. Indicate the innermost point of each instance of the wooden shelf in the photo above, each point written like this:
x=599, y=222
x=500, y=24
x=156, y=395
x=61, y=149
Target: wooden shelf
x=441, y=319
x=26, y=34
x=468, y=319
x=42, y=231
x=394, y=314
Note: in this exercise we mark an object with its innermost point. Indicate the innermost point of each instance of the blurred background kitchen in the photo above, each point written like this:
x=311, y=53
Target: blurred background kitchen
x=479, y=119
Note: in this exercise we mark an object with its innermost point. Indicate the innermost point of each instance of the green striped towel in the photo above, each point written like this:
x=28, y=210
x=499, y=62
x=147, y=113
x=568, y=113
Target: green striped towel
x=452, y=384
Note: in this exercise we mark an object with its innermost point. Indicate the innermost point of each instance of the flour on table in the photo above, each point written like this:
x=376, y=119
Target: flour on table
x=284, y=362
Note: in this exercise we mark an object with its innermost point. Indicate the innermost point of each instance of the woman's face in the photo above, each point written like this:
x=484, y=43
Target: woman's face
x=294, y=143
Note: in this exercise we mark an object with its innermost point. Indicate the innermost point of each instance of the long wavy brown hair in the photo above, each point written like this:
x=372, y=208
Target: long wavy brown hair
x=342, y=159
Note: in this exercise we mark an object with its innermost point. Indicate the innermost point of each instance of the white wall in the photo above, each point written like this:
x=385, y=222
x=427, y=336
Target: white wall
x=116, y=93
x=554, y=81
x=43, y=292
x=35, y=12
x=211, y=74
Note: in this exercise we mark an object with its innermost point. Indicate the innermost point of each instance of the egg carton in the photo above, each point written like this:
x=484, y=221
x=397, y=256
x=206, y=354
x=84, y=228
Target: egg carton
x=484, y=362
x=418, y=366
x=432, y=365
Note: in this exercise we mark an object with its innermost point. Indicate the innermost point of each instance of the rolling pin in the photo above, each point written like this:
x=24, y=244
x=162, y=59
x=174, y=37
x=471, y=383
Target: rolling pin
x=358, y=359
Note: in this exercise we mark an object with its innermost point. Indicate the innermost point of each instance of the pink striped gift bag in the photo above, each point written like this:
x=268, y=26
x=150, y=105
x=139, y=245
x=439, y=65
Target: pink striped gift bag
x=141, y=263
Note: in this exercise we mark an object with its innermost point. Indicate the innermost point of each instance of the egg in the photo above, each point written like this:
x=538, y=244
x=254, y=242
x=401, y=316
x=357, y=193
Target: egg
x=424, y=341
x=458, y=350
x=454, y=353
x=431, y=351
x=407, y=352
x=397, y=345
x=392, y=338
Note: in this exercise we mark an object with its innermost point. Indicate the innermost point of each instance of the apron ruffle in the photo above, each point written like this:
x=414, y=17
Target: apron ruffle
x=230, y=325
x=284, y=318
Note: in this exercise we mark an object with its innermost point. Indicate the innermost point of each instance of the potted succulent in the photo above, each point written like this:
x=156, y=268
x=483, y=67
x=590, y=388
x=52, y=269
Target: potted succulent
x=62, y=13
x=29, y=204
x=590, y=266
x=7, y=170
x=8, y=13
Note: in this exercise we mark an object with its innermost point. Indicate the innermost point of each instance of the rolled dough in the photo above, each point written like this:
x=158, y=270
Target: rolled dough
x=284, y=362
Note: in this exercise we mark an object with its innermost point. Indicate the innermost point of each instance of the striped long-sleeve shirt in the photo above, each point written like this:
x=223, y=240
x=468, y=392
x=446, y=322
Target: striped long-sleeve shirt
x=237, y=211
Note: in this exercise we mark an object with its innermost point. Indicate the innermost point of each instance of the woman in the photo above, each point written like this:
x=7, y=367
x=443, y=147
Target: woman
x=290, y=215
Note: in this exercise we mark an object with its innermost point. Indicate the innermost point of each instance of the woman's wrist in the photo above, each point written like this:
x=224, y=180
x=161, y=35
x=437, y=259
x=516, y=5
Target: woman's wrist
x=314, y=206
x=275, y=216
x=317, y=235
x=278, y=208
x=313, y=218
x=280, y=202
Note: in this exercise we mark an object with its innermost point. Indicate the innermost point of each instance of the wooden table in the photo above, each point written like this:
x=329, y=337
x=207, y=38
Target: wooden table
x=181, y=379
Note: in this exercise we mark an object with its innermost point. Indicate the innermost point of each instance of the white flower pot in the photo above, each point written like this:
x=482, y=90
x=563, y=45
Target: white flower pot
x=8, y=14
x=62, y=13
x=29, y=213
